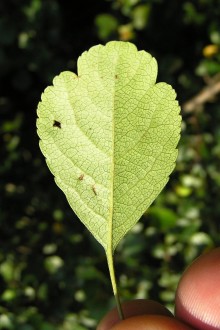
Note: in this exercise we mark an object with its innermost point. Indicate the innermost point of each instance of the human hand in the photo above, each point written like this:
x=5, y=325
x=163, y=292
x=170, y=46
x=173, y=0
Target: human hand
x=197, y=304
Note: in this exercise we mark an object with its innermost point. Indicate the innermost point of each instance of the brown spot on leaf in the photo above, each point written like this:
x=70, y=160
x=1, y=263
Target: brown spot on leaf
x=94, y=190
x=56, y=123
x=81, y=177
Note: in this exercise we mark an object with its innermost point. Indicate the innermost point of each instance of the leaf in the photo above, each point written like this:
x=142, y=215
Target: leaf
x=109, y=136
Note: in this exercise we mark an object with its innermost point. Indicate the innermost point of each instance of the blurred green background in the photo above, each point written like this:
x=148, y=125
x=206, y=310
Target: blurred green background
x=53, y=274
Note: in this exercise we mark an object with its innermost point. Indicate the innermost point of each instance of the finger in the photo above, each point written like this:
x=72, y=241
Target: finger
x=198, y=293
x=132, y=308
x=151, y=322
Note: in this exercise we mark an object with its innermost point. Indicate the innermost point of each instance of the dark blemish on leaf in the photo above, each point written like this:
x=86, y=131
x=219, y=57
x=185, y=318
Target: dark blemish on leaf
x=81, y=177
x=94, y=190
x=116, y=76
x=56, y=124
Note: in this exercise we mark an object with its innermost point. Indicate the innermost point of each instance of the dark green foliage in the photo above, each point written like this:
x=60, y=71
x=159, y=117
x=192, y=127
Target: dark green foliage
x=53, y=274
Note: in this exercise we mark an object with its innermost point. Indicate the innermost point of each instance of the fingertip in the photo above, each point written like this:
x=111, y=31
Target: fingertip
x=197, y=298
x=133, y=308
x=152, y=322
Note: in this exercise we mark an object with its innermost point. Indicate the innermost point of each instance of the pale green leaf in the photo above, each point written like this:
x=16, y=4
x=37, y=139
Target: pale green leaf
x=109, y=136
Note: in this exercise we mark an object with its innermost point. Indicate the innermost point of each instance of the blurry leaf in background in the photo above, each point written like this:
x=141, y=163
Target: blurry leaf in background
x=126, y=32
x=6, y=321
x=210, y=50
x=53, y=264
x=192, y=14
x=208, y=67
x=140, y=15
x=32, y=9
x=164, y=218
x=106, y=26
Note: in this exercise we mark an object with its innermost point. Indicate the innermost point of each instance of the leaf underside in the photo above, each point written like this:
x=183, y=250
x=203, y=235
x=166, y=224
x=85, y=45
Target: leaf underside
x=109, y=136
